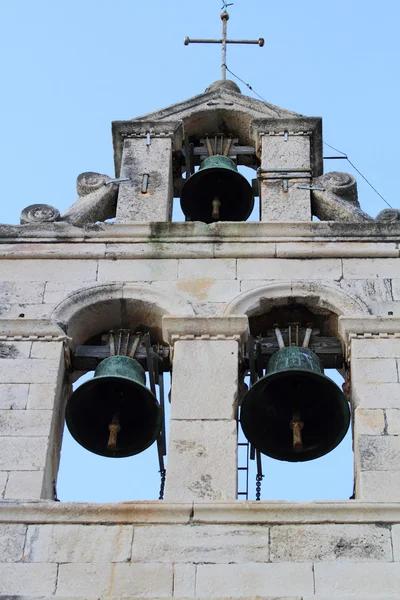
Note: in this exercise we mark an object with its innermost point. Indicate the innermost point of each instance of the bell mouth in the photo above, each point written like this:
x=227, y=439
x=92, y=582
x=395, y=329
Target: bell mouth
x=117, y=391
x=269, y=407
x=217, y=180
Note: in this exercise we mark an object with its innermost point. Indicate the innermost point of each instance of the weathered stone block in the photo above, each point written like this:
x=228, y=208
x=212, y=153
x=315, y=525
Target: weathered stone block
x=362, y=580
x=336, y=248
x=23, y=453
x=13, y=396
x=201, y=544
x=279, y=205
x=24, y=485
x=376, y=395
x=126, y=580
x=47, y=350
x=3, y=482
x=369, y=421
x=366, y=268
x=236, y=249
x=20, y=292
x=25, y=422
x=195, y=290
x=396, y=542
x=33, y=580
x=268, y=268
x=316, y=543
x=154, y=160
x=213, y=397
x=138, y=270
x=28, y=311
x=396, y=288
x=249, y=580
x=184, y=580
x=374, y=370
x=41, y=396
x=12, y=540
x=15, y=349
x=78, y=543
x=27, y=370
x=378, y=486
x=215, y=268
x=393, y=421
x=193, y=473
x=378, y=453
x=375, y=348
x=31, y=270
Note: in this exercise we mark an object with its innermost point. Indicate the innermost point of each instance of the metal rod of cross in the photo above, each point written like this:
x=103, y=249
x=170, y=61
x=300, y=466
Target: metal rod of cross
x=224, y=41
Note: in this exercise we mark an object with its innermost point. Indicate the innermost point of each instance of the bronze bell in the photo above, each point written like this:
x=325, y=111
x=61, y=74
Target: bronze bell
x=114, y=414
x=217, y=192
x=295, y=413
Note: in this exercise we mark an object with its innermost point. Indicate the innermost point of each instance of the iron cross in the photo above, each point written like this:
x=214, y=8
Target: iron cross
x=224, y=41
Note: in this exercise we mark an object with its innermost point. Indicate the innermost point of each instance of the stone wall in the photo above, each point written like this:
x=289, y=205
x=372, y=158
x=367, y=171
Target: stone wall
x=59, y=283
x=237, y=550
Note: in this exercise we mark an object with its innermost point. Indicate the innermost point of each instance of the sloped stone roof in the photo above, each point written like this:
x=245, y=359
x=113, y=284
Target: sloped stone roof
x=220, y=95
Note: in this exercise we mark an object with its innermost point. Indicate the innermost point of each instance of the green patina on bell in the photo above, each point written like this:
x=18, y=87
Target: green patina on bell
x=217, y=192
x=114, y=414
x=295, y=413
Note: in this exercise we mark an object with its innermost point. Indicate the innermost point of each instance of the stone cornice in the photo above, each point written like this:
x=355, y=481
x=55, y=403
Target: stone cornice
x=223, y=240
x=151, y=512
x=131, y=129
x=368, y=326
x=184, y=328
x=21, y=330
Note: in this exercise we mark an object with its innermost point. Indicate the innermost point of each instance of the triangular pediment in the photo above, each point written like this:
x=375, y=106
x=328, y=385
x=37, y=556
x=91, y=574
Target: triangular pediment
x=223, y=95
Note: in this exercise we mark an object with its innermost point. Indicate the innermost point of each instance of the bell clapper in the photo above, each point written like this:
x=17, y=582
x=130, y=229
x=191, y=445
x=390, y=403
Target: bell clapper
x=114, y=428
x=296, y=425
x=215, y=207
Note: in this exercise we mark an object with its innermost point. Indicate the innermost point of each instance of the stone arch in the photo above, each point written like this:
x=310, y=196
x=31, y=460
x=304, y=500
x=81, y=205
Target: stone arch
x=317, y=297
x=91, y=310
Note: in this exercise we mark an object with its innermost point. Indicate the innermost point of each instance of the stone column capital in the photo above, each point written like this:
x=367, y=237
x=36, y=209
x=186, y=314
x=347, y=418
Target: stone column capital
x=368, y=326
x=184, y=327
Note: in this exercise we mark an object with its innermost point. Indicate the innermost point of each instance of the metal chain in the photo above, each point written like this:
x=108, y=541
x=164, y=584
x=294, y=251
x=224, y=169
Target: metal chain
x=259, y=479
x=163, y=474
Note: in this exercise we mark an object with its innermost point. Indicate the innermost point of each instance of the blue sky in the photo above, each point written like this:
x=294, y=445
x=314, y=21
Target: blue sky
x=70, y=68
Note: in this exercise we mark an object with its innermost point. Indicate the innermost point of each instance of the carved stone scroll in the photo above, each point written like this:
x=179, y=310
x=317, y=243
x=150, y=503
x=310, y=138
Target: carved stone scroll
x=97, y=201
x=337, y=200
x=39, y=213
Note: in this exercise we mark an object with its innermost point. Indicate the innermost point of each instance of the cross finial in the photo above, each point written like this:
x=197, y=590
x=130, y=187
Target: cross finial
x=224, y=41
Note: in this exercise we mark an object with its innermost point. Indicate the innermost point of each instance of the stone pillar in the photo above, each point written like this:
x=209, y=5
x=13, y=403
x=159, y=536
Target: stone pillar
x=375, y=393
x=285, y=165
x=31, y=414
x=148, y=195
x=202, y=455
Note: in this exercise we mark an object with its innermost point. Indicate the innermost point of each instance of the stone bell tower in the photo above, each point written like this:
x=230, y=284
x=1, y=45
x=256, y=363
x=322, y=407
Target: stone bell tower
x=212, y=300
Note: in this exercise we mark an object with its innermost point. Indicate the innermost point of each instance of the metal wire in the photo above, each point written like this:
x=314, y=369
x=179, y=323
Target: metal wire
x=359, y=172
x=326, y=144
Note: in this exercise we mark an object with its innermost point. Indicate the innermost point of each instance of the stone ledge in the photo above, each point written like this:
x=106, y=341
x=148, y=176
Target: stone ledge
x=159, y=512
x=187, y=232
x=368, y=326
x=31, y=330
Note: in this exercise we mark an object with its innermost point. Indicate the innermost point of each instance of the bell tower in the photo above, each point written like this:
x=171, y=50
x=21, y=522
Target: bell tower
x=247, y=316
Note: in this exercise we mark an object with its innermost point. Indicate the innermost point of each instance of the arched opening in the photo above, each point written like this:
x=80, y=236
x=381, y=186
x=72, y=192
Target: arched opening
x=104, y=323
x=292, y=308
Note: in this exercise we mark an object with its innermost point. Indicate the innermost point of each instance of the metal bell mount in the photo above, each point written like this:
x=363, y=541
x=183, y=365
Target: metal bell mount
x=295, y=413
x=217, y=191
x=115, y=414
